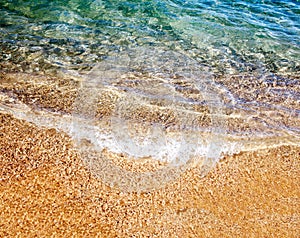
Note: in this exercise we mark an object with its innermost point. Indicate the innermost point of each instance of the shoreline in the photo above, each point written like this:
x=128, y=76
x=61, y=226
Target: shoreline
x=47, y=190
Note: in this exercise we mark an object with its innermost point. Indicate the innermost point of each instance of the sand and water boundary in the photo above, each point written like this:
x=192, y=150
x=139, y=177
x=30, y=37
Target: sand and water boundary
x=45, y=189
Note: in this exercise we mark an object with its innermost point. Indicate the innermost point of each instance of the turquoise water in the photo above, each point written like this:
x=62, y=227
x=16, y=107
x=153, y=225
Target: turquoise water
x=230, y=37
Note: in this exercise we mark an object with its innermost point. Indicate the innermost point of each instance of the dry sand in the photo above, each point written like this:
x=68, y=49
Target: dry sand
x=45, y=191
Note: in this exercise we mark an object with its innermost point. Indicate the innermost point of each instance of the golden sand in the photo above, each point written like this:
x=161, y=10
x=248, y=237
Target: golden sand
x=45, y=190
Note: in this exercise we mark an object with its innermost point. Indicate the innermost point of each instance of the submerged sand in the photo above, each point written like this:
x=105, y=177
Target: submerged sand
x=45, y=189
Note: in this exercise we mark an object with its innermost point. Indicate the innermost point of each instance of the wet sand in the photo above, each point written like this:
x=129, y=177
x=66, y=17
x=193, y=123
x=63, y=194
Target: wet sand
x=45, y=190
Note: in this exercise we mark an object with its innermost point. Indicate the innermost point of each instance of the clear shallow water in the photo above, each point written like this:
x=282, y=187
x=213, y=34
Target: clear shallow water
x=238, y=59
x=228, y=36
x=192, y=78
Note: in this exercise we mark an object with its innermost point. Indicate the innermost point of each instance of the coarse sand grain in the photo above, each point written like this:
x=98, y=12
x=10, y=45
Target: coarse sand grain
x=45, y=190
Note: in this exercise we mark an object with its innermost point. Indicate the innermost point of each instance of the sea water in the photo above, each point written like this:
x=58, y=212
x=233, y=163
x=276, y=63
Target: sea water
x=228, y=36
x=227, y=71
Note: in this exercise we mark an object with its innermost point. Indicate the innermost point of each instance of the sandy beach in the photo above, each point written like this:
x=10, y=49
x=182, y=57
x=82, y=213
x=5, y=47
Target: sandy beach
x=150, y=118
x=46, y=191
